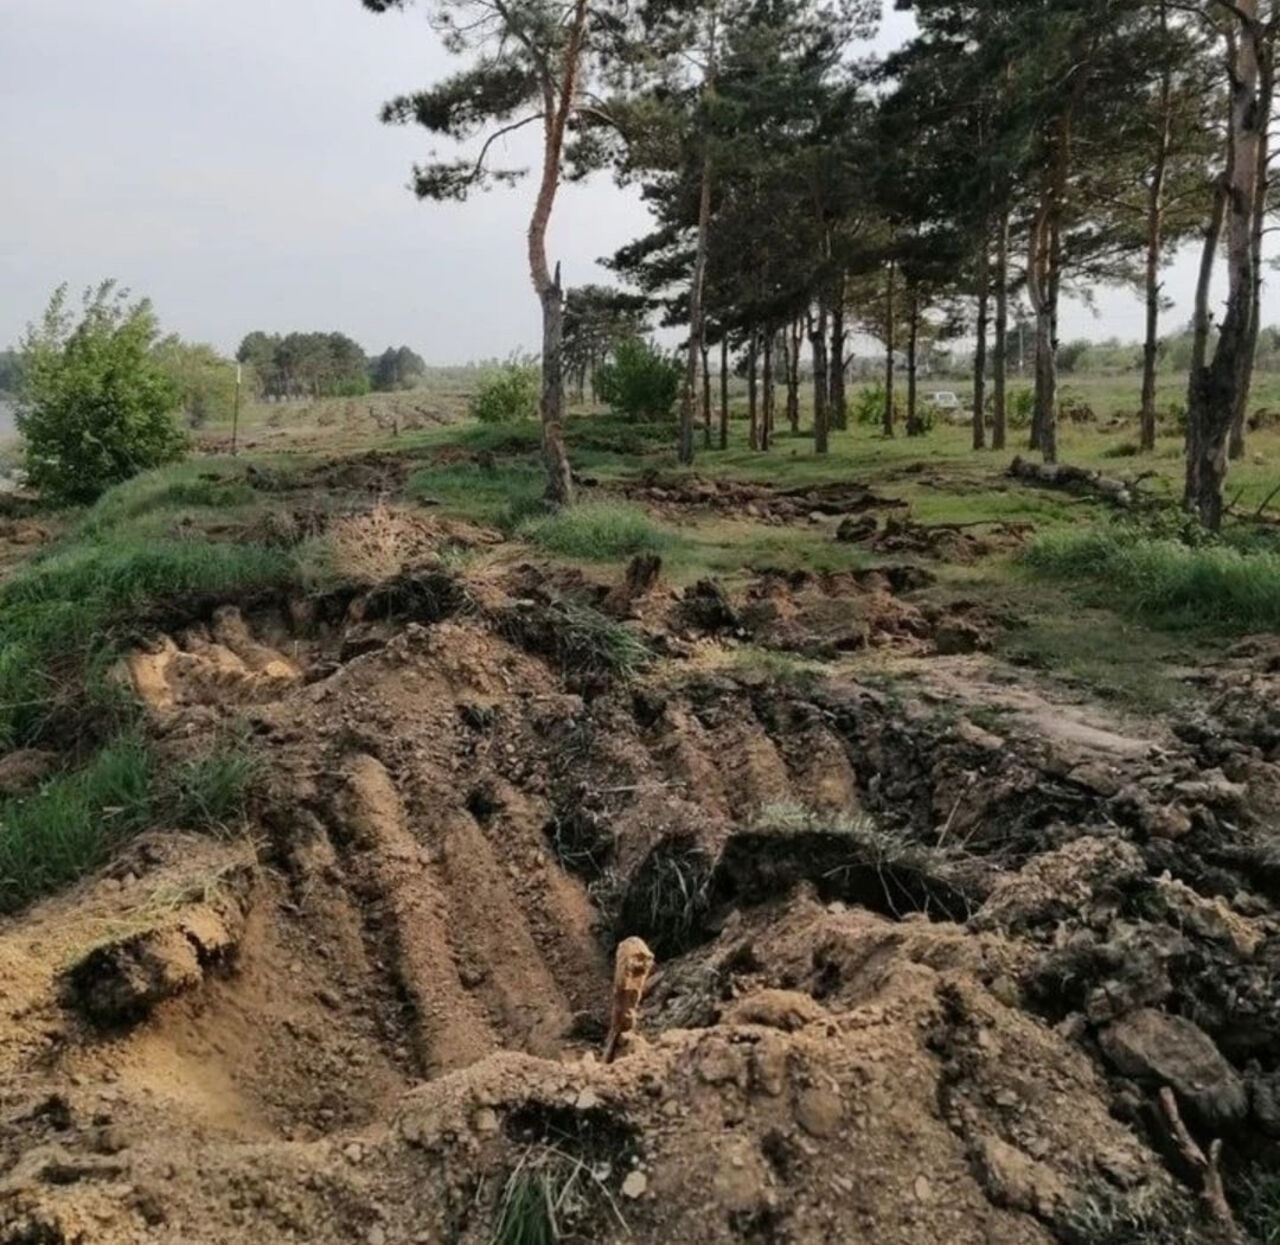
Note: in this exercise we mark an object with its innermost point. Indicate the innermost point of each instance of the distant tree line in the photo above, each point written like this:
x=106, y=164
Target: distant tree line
x=323, y=365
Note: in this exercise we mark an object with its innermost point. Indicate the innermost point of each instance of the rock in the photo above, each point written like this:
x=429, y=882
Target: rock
x=923, y=1189
x=485, y=1120
x=25, y=769
x=819, y=1111
x=1097, y=777
x=706, y=608
x=857, y=527
x=976, y=737
x=586, y=1099
x=353, y=1152
x=376, y=1235
x=1168, y=1050
x=635, y=1184
x=1017, y=1182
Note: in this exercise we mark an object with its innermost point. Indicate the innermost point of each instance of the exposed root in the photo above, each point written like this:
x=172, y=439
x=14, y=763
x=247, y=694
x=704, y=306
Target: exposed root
x=631, y=973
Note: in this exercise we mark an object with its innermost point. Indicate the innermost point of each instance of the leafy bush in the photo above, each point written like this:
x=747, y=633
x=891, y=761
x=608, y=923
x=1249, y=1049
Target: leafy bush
x=1165, y=581
x=506, y=395
x=867, y=406
x=641, y=382
x=96, y=404
x=601, y=531
x=1020, y=405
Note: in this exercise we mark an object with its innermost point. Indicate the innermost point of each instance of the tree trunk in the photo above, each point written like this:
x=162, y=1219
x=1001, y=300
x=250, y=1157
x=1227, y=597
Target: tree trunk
x=796, y=336
x=914, y=427
x=1266, y=85
x=837, y=400
x=688, y=397
x=766, y=411
x=887, y=418
x=724, y=392
x=1000, y=361
x=753, y=395
x=556, y=109
x=704, y=351
x=821, y=411
x=1155, y=238
x=980, y=351
x=1214, y=388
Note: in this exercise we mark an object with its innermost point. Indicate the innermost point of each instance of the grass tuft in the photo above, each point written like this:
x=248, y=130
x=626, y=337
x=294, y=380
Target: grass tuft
x=581, y=640
x=1164, y=582
x=597, y=531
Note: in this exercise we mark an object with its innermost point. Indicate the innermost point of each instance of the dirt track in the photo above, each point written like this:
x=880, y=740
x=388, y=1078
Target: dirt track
x=918, y=980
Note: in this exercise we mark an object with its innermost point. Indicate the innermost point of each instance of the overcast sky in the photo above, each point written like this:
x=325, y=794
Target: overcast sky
x=225, y=158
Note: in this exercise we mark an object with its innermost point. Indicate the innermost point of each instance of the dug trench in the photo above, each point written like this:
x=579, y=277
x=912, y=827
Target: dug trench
x=918, y=978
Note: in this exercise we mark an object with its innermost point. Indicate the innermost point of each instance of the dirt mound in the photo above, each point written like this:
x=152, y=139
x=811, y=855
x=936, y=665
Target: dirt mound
x=917, y=980
x=824, y=615
x=671, y=497
x=942, y=542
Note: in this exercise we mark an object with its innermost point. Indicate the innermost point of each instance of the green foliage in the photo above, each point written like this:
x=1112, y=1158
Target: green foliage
x=305, y=365
x=204, y=380
x=69, y=826
x=1020, y=405
x=10, y=371
x=598, y=531
x=507, y=395
x=1164, y=581
x=396, y=369
x=504, y=494
x=96, y=403
x=640, y=381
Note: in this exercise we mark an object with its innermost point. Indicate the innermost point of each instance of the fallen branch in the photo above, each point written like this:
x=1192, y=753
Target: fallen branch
x=1266, y=501
x=1212, y=1193
x=1084, y=480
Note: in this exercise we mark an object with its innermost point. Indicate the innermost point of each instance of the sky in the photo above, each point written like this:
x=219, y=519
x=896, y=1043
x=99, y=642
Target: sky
x=226, y=160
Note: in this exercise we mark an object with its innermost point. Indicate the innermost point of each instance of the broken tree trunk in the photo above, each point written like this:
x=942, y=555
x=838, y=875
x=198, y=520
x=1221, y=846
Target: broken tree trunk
x=630, y=975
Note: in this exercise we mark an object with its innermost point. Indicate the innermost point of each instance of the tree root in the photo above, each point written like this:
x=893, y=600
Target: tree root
x=1213, y=1195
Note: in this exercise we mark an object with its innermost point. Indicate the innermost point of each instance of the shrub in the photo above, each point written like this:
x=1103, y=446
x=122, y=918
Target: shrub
x=1019, y=407
x=509, y=394
x=1164, y=581
x=641, y=382
x=600, y=531
x=868, y=405
x=96, y=405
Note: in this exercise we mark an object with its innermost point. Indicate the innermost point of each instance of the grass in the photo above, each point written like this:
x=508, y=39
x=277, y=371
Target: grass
x=502, y=495
x=1163, y=582
x=60, y=616
x=597, y=531
x=71, y=824
x=581, y=640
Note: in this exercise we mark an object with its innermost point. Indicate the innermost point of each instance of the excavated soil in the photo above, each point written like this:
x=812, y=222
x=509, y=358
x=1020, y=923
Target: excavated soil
x=924, y=960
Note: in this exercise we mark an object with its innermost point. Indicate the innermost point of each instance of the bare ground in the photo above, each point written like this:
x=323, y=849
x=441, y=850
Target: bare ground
x=927, y=951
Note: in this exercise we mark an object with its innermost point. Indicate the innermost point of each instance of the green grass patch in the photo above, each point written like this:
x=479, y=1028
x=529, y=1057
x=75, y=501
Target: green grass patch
x=1163, y=582
x=502, y=494
x=60, y=614
x=72, y=823
x=597, y=531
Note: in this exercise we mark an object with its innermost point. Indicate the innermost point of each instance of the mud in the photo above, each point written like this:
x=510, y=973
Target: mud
x=918, y=978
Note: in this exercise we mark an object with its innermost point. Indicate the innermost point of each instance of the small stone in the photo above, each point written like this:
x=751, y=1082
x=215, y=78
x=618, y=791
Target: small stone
x=819, y=1112
x=485, y=1120
x=923, y=1189
x=353, y=1152
x=635, y=1184
x=376, y=1235
x=586, y=1099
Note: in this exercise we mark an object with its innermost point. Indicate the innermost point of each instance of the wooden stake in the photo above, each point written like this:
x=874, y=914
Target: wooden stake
x=630, y=974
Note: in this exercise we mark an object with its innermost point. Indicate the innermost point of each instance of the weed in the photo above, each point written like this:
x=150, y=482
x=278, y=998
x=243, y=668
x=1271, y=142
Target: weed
x=1165, y=582
x=1105, y=1215
x=667, y=901
x=597, y=531
x=581, y=640
x=209, y=792
x=550, y=1196
x=1258, y=1198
